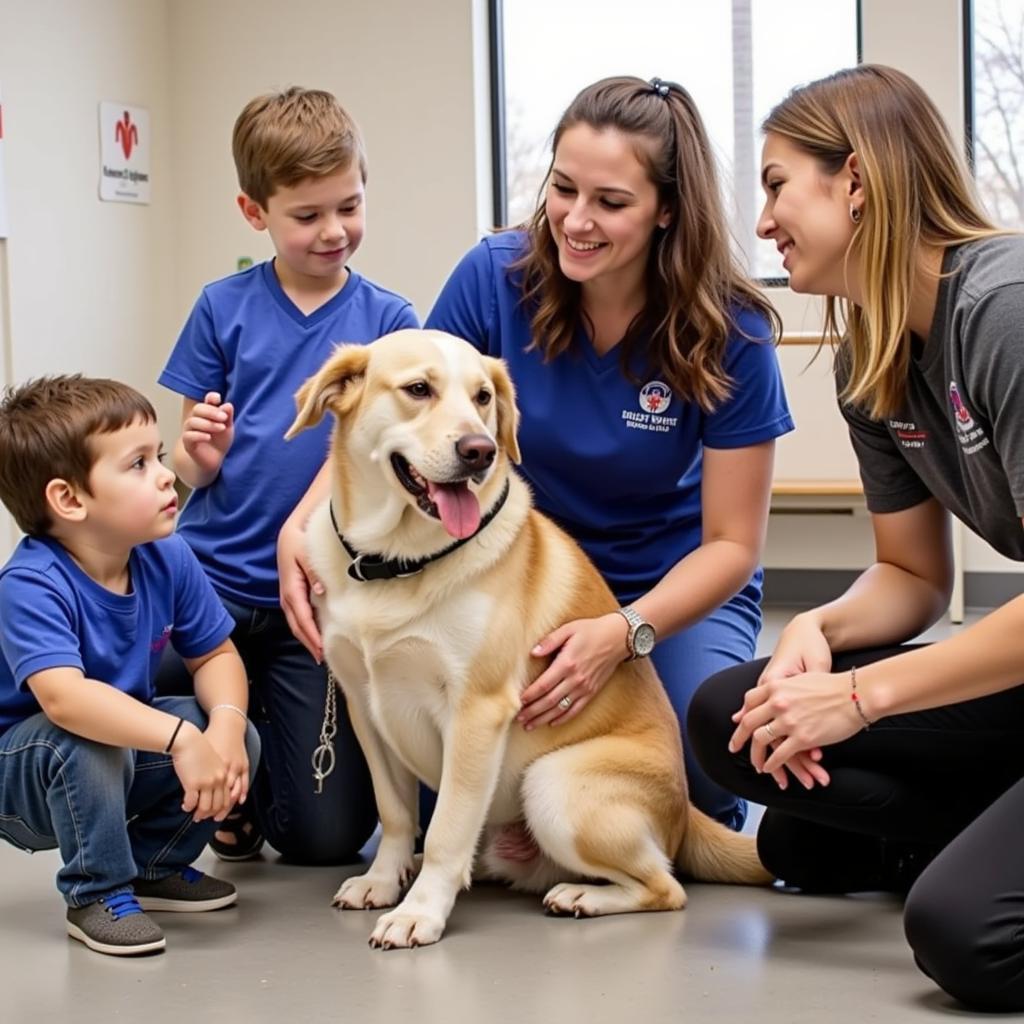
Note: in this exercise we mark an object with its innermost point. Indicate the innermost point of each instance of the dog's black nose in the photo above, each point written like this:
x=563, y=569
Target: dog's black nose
x=475, y=450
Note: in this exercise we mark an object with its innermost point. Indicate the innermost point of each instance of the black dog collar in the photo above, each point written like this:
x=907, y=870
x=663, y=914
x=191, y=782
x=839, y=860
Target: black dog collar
x=376, y=567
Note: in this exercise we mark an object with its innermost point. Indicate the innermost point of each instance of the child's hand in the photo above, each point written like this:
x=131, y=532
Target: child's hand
x=208, y=432
x=203, y=775
x=297, y=581
x=226, y=734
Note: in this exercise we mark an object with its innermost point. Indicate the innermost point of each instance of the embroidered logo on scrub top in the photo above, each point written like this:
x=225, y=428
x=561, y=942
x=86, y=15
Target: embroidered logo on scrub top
x=964, y=421
x=971, y=437
x=656, y=397
x=908, y=433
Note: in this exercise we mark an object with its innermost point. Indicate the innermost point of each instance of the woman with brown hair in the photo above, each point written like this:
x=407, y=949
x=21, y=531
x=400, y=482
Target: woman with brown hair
x=903, y=750
x=649, y=392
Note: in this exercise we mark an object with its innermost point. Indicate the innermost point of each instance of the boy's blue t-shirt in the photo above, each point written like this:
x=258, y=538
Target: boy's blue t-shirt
x=53, y=615
x=617, y=464
x=246, y=339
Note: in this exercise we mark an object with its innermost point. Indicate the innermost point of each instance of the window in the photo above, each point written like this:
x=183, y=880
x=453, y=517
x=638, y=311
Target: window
x=997, y=102
x=736, y=57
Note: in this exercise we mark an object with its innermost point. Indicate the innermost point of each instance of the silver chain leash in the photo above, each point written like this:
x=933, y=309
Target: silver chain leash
x=323, y=756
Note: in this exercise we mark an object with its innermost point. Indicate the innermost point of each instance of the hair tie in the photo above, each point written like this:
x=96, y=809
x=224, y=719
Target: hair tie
x=659, y=88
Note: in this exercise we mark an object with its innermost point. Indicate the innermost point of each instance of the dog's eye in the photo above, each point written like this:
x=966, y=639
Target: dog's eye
x=483, y=397
x=418, y=389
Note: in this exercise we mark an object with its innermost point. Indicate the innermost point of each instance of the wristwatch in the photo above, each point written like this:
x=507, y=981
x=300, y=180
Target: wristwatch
x=641, y=635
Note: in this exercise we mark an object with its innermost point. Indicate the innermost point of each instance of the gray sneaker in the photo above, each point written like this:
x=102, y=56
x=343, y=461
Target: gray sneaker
x=187, y=892
x=115, y=925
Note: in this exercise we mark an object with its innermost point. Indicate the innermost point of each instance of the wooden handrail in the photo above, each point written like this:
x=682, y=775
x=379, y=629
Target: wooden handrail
x=801, y=338
x=817, y=488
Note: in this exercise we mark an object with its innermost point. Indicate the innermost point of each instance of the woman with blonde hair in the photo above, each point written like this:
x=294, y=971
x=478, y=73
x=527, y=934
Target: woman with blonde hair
x=649, y=392
x=902, y=752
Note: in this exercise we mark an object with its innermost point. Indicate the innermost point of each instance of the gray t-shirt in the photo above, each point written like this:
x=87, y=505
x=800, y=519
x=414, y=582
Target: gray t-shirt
x=960, y=434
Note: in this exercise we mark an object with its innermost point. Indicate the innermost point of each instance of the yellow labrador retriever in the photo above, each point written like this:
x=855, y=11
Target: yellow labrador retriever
x=439, y=579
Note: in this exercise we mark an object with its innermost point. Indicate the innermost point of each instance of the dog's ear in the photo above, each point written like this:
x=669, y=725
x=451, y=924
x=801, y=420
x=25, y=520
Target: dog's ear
x=508, y=411
x=336, y=386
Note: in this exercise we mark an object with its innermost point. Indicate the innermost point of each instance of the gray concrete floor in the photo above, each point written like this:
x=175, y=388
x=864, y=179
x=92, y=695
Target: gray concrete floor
x=283, y=955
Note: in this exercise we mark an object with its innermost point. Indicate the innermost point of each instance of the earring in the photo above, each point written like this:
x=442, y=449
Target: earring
x=855, y=214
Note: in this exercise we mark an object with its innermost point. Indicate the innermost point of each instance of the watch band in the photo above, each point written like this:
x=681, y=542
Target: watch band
x=635, y=621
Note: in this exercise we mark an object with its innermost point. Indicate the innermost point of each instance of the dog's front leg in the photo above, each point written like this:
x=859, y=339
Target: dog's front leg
x=474, y=749
x=396, y=791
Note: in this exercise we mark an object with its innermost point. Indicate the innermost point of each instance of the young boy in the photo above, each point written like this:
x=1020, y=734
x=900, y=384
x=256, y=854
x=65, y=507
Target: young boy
x=250, y=342
x=129, y=786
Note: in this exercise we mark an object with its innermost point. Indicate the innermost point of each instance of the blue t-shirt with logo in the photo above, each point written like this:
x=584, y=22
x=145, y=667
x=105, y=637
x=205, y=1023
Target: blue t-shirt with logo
x=53, y=615
x=247, y=340
x=617, y=464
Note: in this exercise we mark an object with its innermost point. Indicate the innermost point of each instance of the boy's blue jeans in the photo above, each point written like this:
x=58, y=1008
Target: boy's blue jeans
x=114, y=813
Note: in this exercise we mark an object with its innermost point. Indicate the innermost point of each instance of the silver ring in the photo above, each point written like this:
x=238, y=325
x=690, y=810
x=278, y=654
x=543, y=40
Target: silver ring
x=770, y=731
x=565, y=703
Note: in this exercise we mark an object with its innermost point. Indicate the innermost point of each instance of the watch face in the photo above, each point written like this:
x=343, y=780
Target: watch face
x=643, y=640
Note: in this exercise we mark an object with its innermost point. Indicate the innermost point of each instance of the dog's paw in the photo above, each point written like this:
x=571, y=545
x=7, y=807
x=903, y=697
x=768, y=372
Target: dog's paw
x=568, y=898
x=405, y=929
x=369, y=892
x=580, y=900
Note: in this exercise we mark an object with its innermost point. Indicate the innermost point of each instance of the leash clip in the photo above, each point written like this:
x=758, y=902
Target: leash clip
x=323, y=756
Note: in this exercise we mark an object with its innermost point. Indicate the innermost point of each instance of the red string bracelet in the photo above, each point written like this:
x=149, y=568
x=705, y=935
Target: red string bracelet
x=855, y=697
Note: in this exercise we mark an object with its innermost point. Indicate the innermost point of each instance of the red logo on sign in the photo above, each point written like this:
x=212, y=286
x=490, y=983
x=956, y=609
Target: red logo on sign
x=127, y=134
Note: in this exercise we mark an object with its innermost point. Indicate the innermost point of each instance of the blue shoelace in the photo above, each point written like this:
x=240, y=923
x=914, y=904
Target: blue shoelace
x=191, y=875
x=124, y=904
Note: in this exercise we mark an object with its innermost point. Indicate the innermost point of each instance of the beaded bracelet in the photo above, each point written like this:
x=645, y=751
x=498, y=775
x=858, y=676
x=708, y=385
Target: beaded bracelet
x=855, y=697
x=174, y=735
x=231, y=707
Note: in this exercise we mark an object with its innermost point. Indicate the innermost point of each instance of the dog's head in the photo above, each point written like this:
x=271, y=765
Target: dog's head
x=423, y=413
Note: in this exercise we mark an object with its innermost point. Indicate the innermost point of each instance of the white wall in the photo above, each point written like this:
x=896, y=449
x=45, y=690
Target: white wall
x=88, y=283
x=8, y=533
x=405, y=72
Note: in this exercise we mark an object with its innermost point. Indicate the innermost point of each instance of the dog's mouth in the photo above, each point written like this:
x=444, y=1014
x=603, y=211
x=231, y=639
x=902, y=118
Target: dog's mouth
x=452, y=502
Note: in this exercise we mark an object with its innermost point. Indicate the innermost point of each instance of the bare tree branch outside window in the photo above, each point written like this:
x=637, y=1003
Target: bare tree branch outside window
x=999, y=108
x=527, y=155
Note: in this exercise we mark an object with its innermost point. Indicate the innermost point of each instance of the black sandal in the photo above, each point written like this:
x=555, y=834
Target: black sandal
x=246, y=841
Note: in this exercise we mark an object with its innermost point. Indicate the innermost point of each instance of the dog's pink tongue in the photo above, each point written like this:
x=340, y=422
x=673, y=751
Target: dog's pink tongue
x=457, y=506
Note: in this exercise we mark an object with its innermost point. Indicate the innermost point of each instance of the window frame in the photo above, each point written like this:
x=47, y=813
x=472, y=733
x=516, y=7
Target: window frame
x=967, y=28
x=499, y=154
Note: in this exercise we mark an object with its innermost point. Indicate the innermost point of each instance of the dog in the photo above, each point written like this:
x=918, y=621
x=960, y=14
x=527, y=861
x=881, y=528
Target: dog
x=439, y=577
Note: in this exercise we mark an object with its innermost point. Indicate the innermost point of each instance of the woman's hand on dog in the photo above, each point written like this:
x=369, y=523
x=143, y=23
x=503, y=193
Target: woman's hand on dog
x=589, y=651
x=297, y=580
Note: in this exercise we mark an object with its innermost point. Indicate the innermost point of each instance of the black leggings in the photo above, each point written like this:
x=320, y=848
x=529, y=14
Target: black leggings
x=911, y=785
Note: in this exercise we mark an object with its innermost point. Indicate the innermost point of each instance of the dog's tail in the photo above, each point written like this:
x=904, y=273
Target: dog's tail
x=713, y=853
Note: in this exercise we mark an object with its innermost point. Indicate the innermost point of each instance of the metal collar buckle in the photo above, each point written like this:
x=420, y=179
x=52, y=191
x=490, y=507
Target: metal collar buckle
x=355, y=570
